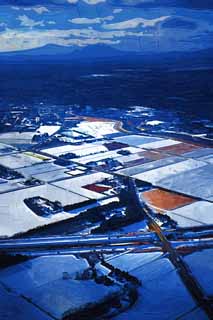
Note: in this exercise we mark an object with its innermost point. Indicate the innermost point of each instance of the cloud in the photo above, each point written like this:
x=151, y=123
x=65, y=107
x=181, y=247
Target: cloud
x=91, y=2
x=90, y=21
x=25, y=21
x=51, y=22
x=117, y=10
x=39, y=10
x=17, y=40
x=134, y=23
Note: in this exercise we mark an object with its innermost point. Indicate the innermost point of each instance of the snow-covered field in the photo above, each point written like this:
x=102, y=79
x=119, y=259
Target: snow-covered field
x=157, y=175
x=197, y=213
x=42, y=281
x=136, y=140
x=196, y=182
x=201, y=266
x=18, y=160
x=53, y=175
x=16, y=217
x=39, y=168
x=159, y=144
x=162, y=294
x=48, y=129
x=11, y=185
x=12, y=306
x=101, y=156
x=97, y=129
x=147, y=167
x=76, y=184
x=26, y=276
x=57, y=151
x=16, y=138
x=6, y=149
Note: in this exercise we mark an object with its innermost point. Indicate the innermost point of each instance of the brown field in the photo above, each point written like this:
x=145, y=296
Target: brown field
x=180, y=148
x=165, y=200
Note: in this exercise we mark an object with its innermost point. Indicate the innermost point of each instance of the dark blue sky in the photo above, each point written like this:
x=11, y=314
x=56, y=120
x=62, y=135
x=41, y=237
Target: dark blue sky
x=133, y=25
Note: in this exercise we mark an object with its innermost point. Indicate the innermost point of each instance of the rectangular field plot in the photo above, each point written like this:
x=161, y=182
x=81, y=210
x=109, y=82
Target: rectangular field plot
x=16, y=216
x=20, y=160
x=197, y=213
x=166, y=200
x=104, y=155
x=167, y=173
x=159, y=144
x=39, y=168
x=78, y=184
x=159, y=283
x=136, y=140
x=178, y=149
x=196, y=183
x=143, y=168
x=6, y=149
x=201, y=265
x=78, y=150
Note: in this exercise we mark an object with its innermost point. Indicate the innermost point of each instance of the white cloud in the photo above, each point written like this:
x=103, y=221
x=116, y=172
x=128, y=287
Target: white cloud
x=15, y=8
x=90, y=20
x=40, y=10
x=134, y=23
x=17, y=40
x=3, y=24
x=117, y=11
x=25, y=21
x=51, y=22
x=92, y=2
x=37, y=9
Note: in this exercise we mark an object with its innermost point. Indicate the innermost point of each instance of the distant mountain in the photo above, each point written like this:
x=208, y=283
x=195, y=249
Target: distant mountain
x=93, y=51
x=54, y=53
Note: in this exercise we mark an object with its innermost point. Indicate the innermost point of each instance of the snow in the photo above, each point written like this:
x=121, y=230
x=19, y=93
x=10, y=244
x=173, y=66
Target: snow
x=97, y=129
x=104, y=155
x=42, y=282
x=154, y=122
x=136, y=140
x=57, y=151
x=53, y=175
x=6, y=149
x=199, y=153
x=159, y=144
x=15, y=307
x=196, y=182
x=48, y=129
x=131, y=261
x=157, y=175
x=89, y=151
x=139, y=169
x=199, y=212
x=208, y=159
x=16, y=137
x=162, y=294
x=39, y=168
x=16, y=217
x=18, y=160
x=63, y=297
x=76, y=184
x=40, y=271
x=197, y=314
x=201, y=266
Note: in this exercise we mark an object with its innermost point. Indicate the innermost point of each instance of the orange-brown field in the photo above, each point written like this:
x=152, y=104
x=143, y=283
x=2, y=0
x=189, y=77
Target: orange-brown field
x=165, y=200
